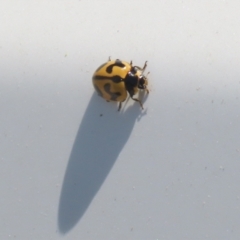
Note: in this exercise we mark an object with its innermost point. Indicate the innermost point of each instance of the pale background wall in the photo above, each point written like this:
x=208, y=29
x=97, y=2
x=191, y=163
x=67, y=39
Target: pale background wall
x=168, y=172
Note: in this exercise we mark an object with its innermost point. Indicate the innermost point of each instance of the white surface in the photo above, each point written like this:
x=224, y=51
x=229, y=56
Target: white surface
x=169, y=172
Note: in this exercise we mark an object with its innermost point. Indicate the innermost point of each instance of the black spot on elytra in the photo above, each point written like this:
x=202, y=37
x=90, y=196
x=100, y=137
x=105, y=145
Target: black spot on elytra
x=115, y=79
x=117, y=63
x=114, y=95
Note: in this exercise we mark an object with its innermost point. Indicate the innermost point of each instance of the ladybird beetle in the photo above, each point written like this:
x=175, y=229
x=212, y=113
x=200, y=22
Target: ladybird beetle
x=115, y=78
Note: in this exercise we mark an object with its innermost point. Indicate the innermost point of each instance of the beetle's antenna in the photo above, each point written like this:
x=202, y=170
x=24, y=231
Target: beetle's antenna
x=147, y=74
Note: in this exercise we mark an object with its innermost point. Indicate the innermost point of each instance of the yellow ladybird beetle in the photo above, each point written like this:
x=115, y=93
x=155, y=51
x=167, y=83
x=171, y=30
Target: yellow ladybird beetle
x=115, y=78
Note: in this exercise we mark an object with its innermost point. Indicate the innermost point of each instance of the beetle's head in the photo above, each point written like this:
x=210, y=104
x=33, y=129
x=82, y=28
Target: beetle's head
x=142, y=82
x=137, y=79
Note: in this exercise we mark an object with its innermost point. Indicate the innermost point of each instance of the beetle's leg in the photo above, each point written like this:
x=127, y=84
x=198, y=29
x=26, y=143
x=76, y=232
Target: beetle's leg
x=120, y=106
x=146, y=86
x=139, y=68
x=137, y=100
x=142, y=69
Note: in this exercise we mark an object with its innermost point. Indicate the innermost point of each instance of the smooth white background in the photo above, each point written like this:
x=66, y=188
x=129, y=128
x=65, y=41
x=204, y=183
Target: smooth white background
x=168, y=172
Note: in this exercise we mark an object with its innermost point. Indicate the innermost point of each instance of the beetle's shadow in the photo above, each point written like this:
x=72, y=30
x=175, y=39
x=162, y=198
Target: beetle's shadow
x=101, y=137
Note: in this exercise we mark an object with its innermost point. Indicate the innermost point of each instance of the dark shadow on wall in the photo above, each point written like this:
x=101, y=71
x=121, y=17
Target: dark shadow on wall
x=101, y=137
